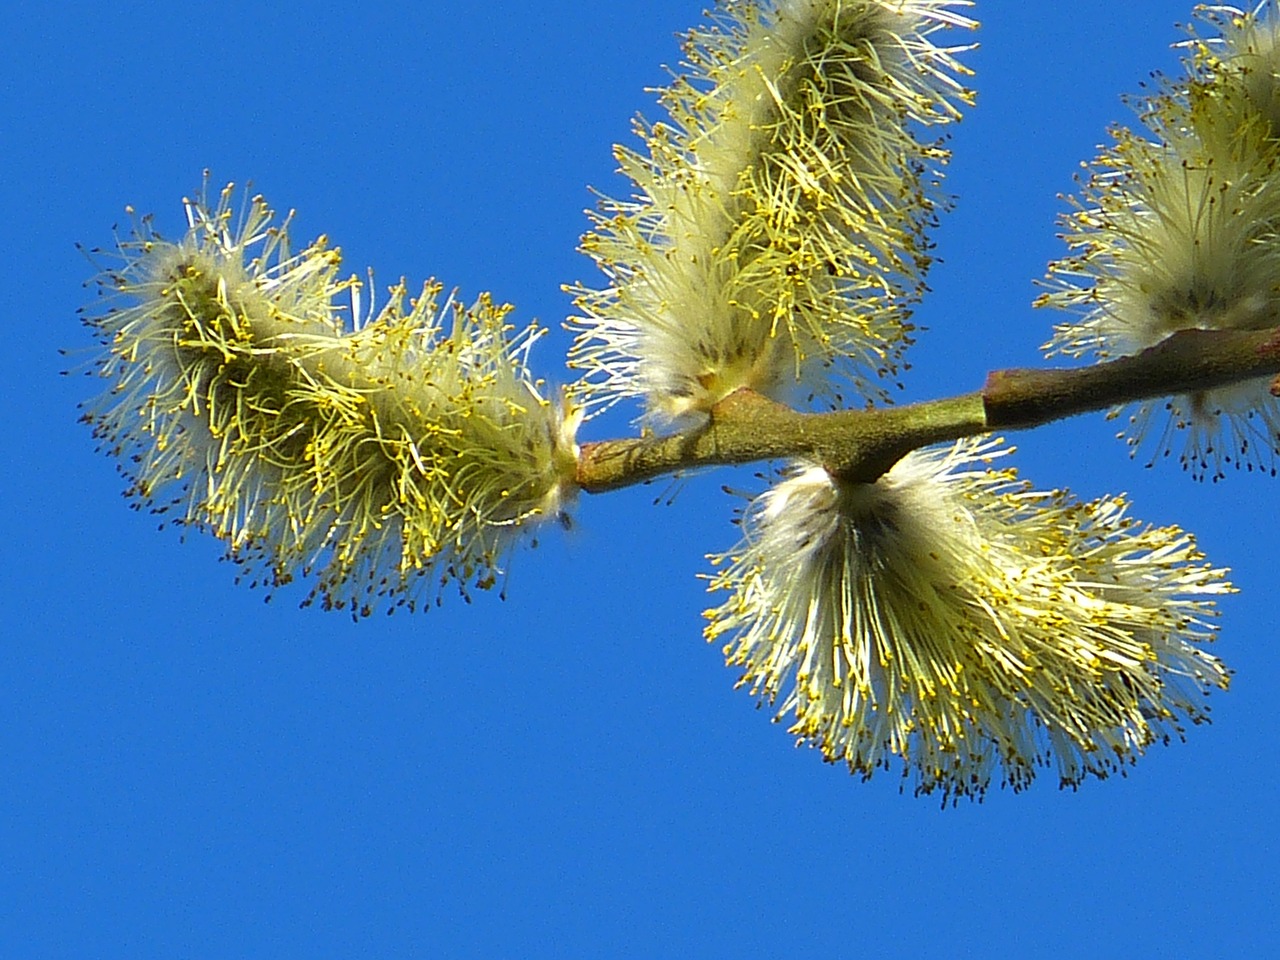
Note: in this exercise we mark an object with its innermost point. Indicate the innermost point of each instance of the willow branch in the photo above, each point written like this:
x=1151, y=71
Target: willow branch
x=862, y=444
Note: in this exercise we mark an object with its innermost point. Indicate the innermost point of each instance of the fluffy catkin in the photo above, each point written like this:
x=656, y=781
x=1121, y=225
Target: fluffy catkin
x=778, y=232
x=1176, y=228
x=950, y=621
x=383, y=461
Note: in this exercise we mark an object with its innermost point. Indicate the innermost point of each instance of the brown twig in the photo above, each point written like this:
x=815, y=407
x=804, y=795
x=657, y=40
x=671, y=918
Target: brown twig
x=862, y=444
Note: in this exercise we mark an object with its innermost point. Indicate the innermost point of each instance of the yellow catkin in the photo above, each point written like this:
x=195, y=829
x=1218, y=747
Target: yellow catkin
x=1175, y=228
x=778, y=236
x=951, y=622
x=379, y=456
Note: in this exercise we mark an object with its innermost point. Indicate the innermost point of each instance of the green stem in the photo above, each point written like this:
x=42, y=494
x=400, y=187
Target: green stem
x=862, y=444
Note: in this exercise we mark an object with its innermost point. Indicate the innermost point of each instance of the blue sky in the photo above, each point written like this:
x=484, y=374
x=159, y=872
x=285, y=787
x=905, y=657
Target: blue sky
x=187, y=771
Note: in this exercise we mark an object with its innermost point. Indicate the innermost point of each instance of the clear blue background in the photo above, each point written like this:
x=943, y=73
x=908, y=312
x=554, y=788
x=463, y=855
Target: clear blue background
x=186, y=771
